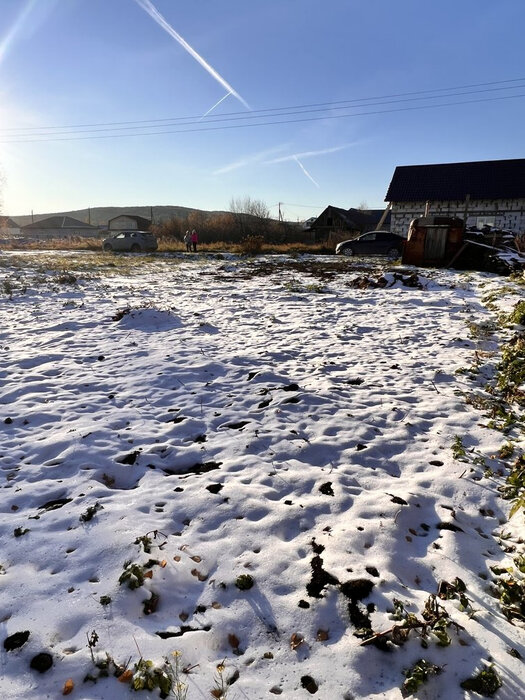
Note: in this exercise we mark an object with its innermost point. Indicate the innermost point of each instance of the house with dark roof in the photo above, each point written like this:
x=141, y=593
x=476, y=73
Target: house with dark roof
x=486, y=193
x=8, y=227
x=58, y=227
x=335, y=222
x=129, y=222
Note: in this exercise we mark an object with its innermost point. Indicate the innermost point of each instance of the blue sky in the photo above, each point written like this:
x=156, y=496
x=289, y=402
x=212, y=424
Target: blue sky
x=93, y=62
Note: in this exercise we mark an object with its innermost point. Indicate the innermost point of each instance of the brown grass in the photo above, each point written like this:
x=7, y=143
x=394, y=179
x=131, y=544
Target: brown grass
x=54, y=244
x=169, y=245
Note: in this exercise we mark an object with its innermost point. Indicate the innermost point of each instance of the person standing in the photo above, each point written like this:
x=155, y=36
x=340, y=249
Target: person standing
x=194, y=240
x=187, y=240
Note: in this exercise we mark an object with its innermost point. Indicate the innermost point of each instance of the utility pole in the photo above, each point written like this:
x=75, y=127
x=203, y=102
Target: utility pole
x=280, y=213
x=465, y=212
x=383, y=217
x=89, y=216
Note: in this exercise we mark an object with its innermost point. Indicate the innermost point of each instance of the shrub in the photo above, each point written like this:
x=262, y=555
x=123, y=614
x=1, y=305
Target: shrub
x=251, y=245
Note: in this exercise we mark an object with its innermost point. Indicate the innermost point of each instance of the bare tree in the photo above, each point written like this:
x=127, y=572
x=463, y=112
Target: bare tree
x=251, y=216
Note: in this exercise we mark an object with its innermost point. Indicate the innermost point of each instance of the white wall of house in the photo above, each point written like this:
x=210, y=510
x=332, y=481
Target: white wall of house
x=502, y=213
x=123, y=223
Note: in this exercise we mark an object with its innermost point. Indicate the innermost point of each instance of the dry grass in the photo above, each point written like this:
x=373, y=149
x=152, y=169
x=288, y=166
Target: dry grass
x=93, y=244
x=169, y=245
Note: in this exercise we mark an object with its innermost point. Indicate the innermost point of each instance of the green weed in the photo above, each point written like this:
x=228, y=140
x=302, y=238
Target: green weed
x=458, y=450
x=418, y=674
x=486, y=682
x=511, y=371
x=517, y=315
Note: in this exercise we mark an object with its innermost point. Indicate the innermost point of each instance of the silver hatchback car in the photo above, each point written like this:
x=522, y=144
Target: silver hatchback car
x=130, y=242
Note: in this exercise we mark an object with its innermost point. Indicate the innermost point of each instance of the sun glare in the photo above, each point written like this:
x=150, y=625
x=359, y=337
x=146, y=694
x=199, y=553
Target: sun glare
x=16, y=27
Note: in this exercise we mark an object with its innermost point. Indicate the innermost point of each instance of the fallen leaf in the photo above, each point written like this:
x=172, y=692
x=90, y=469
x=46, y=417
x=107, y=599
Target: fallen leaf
x=296, y=640
x=216, y=605
x=197, y=574
x=150, y=605
x=148, y=574
x=233, y=641
x=196, y=558
x=126, y=676
x=322, y=635
x=68, y=687
x=177, y=557
x=163, y=563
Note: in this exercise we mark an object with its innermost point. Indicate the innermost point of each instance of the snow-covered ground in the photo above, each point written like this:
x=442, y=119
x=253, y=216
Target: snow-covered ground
x=249, y=417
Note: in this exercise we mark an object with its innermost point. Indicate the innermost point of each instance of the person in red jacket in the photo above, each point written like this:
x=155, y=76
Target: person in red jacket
x=194, y=240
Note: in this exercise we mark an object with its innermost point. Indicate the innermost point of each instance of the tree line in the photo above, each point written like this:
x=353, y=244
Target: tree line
x=247, y=218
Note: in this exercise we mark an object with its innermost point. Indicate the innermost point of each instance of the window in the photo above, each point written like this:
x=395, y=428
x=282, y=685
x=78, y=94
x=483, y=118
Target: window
x=485, y=221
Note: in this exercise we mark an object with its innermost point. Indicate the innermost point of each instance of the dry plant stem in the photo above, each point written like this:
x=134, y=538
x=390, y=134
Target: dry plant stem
x=401, y=628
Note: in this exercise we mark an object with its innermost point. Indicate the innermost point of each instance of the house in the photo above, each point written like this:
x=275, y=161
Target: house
x=335, y=223
x=483, y=193
x=8, y=228
x=128, y=222
x=306, y=225
x=59, y=227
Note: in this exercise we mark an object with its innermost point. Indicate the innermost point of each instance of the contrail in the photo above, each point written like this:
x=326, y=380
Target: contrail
x=152, y=11
x=305, y=171
x=309, y=154
x=8, y=39
x=215, y=105
x=251, y=159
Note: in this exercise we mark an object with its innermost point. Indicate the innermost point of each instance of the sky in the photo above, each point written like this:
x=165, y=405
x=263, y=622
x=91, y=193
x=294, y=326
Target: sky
x=163, y=102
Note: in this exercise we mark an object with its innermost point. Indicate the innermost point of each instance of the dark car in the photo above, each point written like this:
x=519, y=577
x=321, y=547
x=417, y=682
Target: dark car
x=130, y=242
x=372, y=243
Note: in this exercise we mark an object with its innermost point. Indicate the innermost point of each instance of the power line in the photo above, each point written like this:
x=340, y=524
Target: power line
x=254, y=113
x=190, y=121
x=75, y=137
x=305, y=206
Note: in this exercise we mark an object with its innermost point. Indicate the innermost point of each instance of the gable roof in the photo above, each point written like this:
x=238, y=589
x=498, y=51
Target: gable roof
x=141, y=222
x=368, y=217
x=6, y=222
x=356, y=218
x=485, y=179
x=58, y=222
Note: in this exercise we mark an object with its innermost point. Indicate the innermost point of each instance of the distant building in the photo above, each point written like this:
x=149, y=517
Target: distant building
x=334, y=221
x=306, y=225
x=128, y=222
x=490, y=192
x=8, y=228
x=58, y=227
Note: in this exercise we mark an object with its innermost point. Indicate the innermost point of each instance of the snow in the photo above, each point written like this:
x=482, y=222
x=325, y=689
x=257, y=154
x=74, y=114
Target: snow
x=206, y=402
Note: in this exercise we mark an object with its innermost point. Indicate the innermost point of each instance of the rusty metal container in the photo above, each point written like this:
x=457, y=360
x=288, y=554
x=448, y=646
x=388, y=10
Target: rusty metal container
x=433, y=240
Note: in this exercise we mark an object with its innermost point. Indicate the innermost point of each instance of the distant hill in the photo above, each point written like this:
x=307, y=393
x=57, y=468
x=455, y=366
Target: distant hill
x=99, y=216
